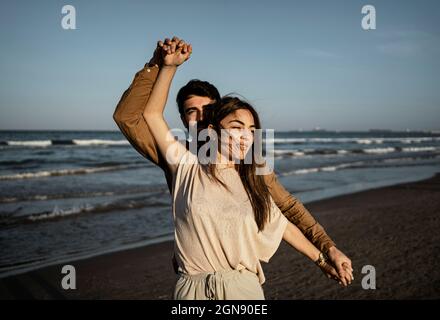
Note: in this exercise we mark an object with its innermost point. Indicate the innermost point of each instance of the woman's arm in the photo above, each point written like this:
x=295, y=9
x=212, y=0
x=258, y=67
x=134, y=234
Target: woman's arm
x=173, y=56
x=295, y=238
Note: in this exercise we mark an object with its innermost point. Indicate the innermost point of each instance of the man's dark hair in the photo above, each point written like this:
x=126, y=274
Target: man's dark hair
x=199, y=88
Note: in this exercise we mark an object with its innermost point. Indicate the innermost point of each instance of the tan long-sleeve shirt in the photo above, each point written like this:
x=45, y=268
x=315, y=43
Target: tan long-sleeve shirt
x=129, y=118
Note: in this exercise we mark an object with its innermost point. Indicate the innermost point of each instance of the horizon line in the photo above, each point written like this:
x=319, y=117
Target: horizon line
x=297, y=130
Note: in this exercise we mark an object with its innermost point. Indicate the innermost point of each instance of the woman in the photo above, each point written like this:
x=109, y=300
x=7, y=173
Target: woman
x=225, y=220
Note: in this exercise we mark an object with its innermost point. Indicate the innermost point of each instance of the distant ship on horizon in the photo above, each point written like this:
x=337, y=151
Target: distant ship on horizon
x=380, y=130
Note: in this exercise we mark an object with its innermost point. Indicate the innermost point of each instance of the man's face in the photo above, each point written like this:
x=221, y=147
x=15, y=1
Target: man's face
x=193, y=109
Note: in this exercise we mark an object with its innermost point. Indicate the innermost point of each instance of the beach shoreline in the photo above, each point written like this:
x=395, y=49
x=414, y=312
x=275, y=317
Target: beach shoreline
x=391, y=228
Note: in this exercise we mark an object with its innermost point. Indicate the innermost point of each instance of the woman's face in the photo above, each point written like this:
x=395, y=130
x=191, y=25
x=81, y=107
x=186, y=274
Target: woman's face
x=237, y=134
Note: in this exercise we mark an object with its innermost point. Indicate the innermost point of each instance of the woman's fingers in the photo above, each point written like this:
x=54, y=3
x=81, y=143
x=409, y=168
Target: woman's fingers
x=330, y=271
x=184, y=48
x=344, y=278
x=347, y=267
x=333, y=275
x=175, y=51
x=347, y=277
x=345, y=272
x=342, y=274
x=343, y=282
x=189, y=51
x=173, y=46
x=180, y=46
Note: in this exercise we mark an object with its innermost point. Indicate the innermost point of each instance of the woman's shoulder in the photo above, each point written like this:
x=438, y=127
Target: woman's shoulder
x=188, y=158
x=187, y=163
x=186, y=170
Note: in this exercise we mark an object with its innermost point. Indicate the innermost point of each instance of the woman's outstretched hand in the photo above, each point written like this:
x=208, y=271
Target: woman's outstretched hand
x=174, y=52
x=342, y=264
x=329, y=271
x=328, y=267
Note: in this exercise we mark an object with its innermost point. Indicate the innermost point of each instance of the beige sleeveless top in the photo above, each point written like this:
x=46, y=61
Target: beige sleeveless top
x=215, y=229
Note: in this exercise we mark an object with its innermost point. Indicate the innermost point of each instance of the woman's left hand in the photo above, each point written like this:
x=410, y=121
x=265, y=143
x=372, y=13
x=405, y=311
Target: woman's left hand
x=342, y=264
x=329, y=271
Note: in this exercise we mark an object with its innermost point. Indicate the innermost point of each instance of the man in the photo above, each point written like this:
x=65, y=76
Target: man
x=191, y=99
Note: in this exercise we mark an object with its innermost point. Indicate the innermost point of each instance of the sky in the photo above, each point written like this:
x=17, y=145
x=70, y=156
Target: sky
x=302, y=64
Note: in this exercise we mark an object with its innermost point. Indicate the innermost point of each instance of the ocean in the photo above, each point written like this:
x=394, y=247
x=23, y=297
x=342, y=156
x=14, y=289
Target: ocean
x=66, y=195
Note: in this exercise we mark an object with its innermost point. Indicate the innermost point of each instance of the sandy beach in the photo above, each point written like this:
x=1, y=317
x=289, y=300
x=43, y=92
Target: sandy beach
x=395, y=229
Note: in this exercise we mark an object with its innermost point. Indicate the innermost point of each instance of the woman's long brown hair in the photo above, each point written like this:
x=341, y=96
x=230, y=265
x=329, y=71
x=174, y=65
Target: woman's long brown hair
x=254, y=184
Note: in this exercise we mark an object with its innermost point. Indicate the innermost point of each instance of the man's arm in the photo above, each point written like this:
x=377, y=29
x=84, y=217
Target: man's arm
x=128, y=114
x=296, y=213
